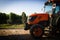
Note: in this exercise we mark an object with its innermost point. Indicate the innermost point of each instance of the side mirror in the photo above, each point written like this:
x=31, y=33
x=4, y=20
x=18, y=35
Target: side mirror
x=53, y=8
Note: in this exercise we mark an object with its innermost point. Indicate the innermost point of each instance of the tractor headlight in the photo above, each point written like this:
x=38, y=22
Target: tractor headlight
x=31, y=18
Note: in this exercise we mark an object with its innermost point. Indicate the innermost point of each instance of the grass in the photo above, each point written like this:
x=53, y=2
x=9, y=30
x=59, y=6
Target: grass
x=11, y=26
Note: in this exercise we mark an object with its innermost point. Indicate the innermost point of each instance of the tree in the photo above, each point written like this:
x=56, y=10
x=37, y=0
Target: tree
x=11, y=17
x=24, y=18
x=3, y=18
x=14, y=18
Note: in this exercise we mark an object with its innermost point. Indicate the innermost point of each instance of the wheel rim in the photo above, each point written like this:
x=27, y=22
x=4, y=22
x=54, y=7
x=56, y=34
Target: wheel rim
x=37, y=32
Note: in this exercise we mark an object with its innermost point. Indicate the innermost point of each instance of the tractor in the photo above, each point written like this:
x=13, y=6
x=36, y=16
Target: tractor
x=37, y=22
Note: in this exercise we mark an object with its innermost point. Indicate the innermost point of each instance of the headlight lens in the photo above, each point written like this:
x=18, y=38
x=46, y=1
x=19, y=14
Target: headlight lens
x=31, y=18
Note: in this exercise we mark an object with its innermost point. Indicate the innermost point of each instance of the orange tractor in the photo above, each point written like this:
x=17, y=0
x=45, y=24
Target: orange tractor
x=51, y=20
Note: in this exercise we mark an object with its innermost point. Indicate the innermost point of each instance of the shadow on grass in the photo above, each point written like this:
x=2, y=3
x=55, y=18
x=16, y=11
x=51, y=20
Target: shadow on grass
x=24, y=37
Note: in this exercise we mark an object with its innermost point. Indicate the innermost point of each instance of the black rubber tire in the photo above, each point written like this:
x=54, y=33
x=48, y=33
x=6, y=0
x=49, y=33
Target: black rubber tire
x=56, y=26
x=58, y=21
x=54, y=21
x=32, y=30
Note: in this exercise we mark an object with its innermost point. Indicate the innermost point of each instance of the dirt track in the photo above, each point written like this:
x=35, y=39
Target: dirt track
x=6, y=32
x=18, y=34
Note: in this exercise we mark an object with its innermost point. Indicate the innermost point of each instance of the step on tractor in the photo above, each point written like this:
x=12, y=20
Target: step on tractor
x=49, y=21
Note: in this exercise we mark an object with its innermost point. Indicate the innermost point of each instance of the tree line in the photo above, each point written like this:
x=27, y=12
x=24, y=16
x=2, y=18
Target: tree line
x=12, y=18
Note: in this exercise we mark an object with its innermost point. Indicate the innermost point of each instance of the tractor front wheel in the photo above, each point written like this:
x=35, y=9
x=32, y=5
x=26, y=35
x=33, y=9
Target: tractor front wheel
x=36, y=31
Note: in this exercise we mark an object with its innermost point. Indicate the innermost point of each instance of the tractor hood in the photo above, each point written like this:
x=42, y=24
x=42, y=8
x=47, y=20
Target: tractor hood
x=36, y=14
x=36, y=18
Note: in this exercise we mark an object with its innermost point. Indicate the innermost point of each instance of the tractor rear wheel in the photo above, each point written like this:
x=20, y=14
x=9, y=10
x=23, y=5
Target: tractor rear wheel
x=36, y=31
x=56, y=26
x=56, y=21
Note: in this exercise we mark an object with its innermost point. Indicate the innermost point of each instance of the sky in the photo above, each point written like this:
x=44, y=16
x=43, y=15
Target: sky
x=19, y=6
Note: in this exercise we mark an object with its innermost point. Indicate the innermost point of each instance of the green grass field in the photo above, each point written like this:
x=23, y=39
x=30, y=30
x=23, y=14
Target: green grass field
x=11, y=26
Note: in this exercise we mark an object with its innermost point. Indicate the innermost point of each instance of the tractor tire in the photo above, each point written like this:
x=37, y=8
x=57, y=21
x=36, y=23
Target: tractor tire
x=56, y=26
x=56, y=21
x=36, y=31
